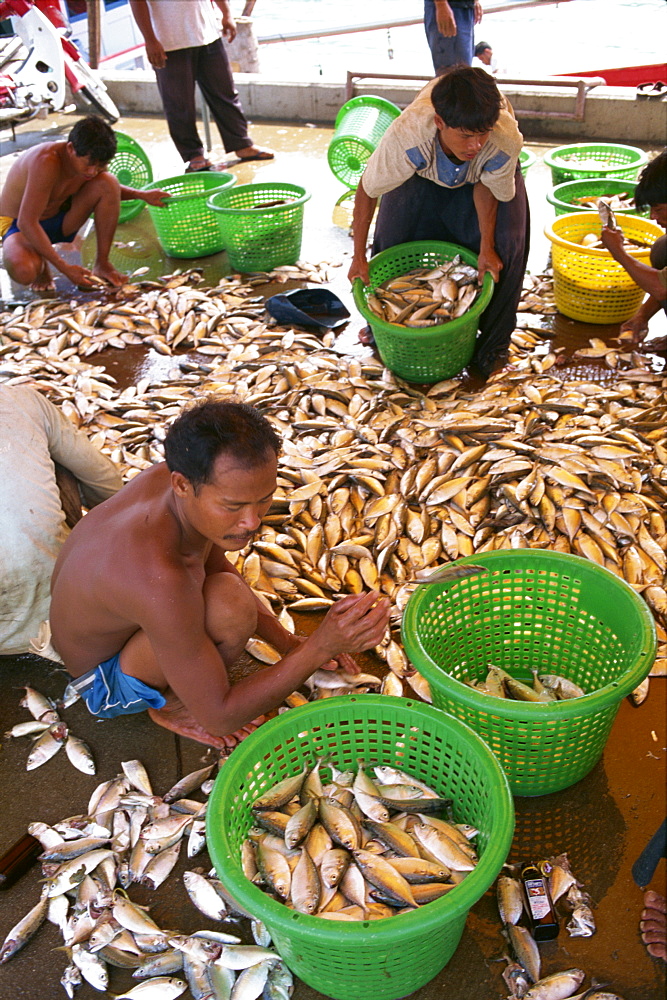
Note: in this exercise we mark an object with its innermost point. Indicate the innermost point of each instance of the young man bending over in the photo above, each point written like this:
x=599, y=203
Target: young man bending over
x=49, y=193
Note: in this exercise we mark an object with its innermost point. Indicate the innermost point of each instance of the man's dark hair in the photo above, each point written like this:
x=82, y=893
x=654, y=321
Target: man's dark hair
x=212, y=426
x=480, y=47
x=652, y=185
x=93, y=138
x=467, y=97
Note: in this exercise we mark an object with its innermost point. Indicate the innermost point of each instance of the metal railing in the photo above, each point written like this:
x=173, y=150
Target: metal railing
x=582, y=85
x=350, y=29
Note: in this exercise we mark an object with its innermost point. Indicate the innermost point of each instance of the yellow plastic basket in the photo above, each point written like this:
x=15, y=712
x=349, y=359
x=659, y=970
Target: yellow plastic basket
x=589, y=285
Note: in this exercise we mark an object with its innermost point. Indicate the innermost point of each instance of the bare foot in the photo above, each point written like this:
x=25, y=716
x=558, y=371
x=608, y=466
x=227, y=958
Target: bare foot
x=653, y=925
x=44, y=280
x=108, y=272
x=175, y=717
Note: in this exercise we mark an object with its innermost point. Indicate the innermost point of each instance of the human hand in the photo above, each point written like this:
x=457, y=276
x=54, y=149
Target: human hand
x=81, y=276
x=444, y=18
x=488, y=260
x=155, y=198
x=343, y=662
x=228, y=27
x=477, y=7
x=637, y=325
x=612, y=239
x=355, y=623
x=359, y=269
x=155, y=54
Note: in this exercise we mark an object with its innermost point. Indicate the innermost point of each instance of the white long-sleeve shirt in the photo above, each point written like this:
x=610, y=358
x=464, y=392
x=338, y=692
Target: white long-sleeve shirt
x=33, y=435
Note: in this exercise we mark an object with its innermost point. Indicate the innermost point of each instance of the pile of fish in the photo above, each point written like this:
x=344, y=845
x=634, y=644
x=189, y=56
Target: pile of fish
x=130, y=835
x=378, y=480
x=622, y=202
x=545, y=687
x=425, y=297
x=519, y=974
x=49, y=734
x=355, y=848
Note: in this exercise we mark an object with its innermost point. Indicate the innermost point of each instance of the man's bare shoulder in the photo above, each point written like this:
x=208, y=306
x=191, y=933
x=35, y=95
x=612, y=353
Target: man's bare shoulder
x=42, y=164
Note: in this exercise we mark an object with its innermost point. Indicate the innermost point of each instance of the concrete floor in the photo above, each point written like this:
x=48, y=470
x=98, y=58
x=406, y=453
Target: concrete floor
x=603, y=822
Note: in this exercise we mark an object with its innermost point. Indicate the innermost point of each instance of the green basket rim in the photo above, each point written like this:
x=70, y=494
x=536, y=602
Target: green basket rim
x=527, y=158
x=554, y=199
x=226, y=180
x=423, y=333
x=452, y=905
x=266, y=188
x=551, y=157
x=595, y=701
x=367, y=100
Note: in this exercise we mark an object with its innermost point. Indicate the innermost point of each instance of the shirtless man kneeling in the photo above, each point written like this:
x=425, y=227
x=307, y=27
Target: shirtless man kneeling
x=146, y=610
x=49, y=193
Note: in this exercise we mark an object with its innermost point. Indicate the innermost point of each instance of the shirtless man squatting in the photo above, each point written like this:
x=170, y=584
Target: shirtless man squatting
x=49, y=193
x=148, y=613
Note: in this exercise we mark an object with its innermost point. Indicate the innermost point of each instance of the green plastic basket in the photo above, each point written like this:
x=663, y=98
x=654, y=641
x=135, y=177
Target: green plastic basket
x=563, y=196
x=185, y=225
x=376, y=959
x=427, y=354
x=259, y=238
x=533, y=609
x=614, y=160
x=359, y=126
x=526, y=158
x=133, y=169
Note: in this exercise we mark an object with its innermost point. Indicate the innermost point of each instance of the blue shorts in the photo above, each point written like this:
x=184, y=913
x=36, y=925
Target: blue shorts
x=108, y=692
x=53, y=228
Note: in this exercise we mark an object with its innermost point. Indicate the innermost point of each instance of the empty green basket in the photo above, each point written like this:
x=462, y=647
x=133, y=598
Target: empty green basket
x=132, y=167
x=359, y=126
x=185, y=225
x=428, y=354
x=369, y=959
x=260, y=225
x=533, y=610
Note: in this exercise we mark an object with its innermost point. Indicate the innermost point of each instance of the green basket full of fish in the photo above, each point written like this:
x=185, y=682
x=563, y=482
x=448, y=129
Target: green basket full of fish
x=583, y=196
x=581, y=160
x=261, y=225
x=533, y=610
x=423, y=305
x=377, y=959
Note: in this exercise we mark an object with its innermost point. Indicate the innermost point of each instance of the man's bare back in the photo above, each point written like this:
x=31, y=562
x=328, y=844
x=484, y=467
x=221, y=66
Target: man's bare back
x=50, y=191
x=48, y=162
x=145, y=575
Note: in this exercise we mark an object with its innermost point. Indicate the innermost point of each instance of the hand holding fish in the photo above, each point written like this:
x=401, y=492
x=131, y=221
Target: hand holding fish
x=355, y=623
x=613, y=240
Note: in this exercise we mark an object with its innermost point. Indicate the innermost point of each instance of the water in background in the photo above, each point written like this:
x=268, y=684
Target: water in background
x=568, y=37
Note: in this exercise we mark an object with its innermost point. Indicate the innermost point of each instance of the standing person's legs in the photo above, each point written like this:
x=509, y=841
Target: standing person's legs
x=176, y=83
x=447, y=52
x=214, y=76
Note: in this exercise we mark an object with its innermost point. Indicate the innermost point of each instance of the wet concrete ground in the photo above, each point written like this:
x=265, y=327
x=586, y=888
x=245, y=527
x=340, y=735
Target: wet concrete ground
x=603, y=822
